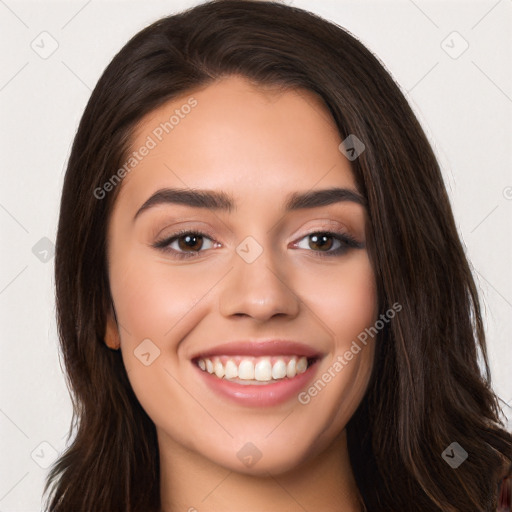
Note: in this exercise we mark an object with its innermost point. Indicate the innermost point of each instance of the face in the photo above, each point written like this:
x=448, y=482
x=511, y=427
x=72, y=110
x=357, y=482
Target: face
x=259, y=282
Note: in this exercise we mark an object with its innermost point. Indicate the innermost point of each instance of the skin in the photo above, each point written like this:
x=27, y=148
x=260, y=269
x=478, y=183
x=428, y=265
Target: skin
x=258, y=145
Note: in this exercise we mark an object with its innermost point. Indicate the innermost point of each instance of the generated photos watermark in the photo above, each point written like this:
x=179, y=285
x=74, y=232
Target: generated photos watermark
x=343, y=360
x=152, y=141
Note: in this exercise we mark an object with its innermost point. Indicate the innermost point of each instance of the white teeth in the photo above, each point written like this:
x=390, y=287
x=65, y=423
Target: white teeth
x=219, y=369
x=263, y=370
x=279, y=370
x=231, y=370
x=260, y=369
x=290, y=368
x=302, y=365
x=246, y=370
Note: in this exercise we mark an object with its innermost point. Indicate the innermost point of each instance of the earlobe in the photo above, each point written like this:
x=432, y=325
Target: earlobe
x=112, y=339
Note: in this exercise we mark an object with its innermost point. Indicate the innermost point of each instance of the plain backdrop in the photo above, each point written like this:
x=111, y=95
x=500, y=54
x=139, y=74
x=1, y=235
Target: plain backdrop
x=451, y=59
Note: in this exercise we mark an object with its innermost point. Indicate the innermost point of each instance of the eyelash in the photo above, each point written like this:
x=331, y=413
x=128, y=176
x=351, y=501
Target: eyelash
x=347, y=242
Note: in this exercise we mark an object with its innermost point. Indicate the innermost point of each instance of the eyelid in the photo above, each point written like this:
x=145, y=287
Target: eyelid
x=181, y=225
x=163, y=242
x=320, y=225
x=345, y=239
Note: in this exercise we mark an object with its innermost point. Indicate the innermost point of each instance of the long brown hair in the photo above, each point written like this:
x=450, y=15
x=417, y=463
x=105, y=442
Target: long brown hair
x=427, y=389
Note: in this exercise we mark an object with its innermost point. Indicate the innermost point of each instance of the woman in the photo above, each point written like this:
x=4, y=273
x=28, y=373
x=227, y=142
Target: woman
x=263, y=301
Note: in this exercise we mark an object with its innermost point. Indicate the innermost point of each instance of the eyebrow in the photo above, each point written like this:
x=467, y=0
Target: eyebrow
x=220, y=201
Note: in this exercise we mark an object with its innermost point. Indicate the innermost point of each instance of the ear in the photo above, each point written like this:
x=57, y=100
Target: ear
x=112, y=339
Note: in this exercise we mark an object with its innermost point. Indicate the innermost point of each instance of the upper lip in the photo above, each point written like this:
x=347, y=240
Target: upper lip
x=270, y=347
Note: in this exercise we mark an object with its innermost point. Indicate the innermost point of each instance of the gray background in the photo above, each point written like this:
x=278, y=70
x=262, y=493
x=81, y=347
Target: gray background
x=462, y=96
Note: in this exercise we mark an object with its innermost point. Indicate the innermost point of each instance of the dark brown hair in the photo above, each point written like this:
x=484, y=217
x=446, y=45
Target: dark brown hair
x=427, y=389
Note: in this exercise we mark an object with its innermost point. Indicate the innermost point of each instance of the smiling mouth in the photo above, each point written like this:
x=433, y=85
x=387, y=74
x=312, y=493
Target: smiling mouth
x=255, y=370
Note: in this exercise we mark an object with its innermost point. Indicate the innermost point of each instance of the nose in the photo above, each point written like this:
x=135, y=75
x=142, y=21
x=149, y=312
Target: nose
x=260, y=289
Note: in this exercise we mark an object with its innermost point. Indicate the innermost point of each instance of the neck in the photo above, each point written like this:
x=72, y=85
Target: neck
x=191, y=483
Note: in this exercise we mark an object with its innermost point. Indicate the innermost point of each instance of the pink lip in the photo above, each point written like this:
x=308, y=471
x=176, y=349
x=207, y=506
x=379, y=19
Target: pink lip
x=253, y=395
x=260, y=348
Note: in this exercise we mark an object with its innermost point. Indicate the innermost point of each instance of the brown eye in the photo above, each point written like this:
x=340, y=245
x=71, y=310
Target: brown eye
x=325, y=243
x=185, y=244
x=321, y=241
x=190, y=241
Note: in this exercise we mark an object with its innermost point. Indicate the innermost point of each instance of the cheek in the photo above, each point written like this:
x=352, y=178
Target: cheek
x=344, y=299
x=347, y=306
x=151, y=298
x=356, y=304
x=158, y=303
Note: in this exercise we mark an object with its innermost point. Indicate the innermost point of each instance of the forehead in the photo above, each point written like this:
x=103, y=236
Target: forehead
x=234, y=134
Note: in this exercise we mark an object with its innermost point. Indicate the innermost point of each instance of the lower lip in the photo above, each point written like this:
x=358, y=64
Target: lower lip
x=262, y=395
